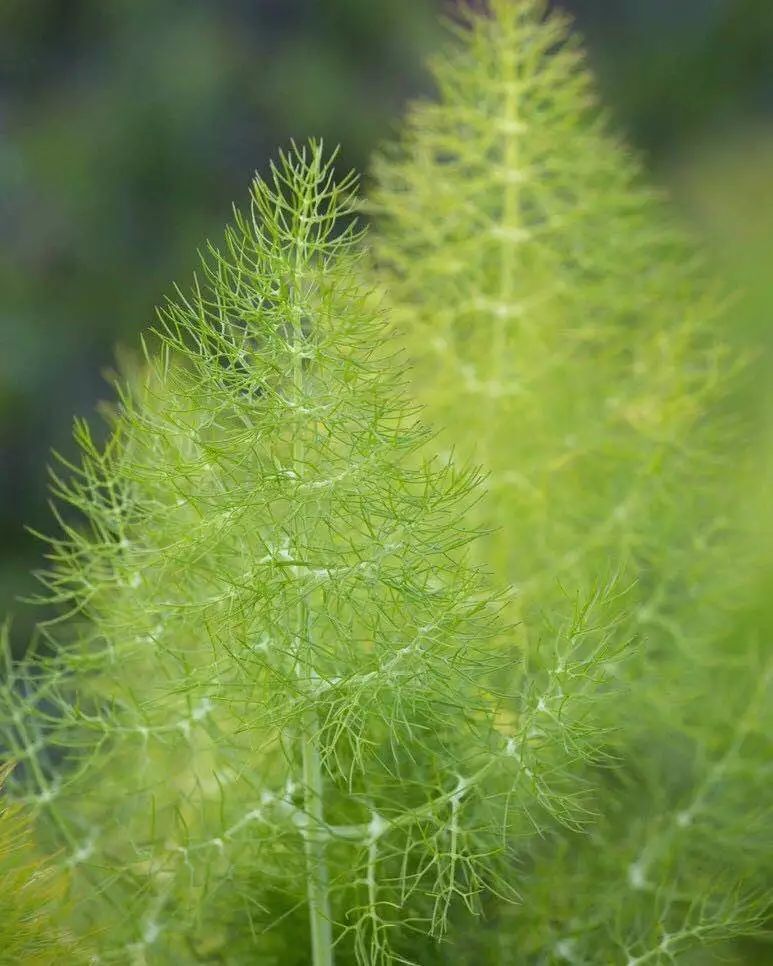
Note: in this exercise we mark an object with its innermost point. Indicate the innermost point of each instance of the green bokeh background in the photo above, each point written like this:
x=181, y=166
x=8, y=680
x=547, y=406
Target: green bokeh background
x=128, y=127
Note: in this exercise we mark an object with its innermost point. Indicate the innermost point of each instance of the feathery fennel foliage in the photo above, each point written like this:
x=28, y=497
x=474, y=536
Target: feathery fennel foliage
x=564, y=333
x=274, y=691
x=279, y=700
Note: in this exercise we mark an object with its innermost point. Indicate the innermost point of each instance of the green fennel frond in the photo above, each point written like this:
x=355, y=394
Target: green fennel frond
x=274, y=690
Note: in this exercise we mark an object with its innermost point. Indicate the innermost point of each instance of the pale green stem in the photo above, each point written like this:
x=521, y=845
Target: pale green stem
x=510, y=214
x=509, y=240
x=312, y=829
x=314, y=838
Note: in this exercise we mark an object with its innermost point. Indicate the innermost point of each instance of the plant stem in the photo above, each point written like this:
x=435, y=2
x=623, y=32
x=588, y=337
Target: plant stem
x=315, y=847
x=510, y=218
x=313, y=828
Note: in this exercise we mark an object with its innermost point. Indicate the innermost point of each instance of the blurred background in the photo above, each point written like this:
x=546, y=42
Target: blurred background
x=127, y=129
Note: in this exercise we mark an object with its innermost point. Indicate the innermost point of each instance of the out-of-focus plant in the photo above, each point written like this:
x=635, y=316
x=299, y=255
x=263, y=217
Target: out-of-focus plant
x=563, y=331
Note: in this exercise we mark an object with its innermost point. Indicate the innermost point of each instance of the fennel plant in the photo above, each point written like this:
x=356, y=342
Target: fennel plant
x=280, y=716
x=273, y=692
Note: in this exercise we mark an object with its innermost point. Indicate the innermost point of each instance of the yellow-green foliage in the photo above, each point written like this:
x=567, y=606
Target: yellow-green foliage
x=279, y=707
x=31, y=894
x=273, y=694
x=563, y=331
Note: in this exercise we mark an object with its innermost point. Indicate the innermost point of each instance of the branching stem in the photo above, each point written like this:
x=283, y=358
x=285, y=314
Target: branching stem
x=315, y=841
